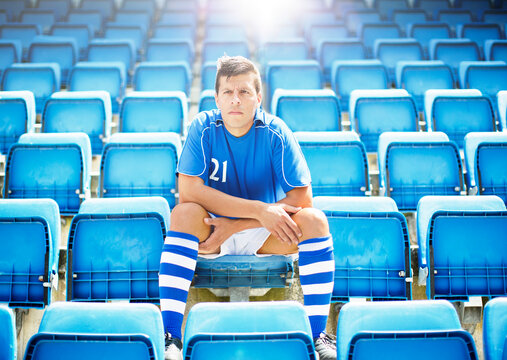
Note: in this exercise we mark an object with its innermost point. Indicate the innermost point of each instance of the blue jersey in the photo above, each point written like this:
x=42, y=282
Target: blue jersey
x=263, y=164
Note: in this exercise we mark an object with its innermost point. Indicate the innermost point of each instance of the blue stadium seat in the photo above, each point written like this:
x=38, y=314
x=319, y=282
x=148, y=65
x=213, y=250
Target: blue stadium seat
x=372, y=112
x=263, y=330
x=109, y=50
x=30, y=229
x=465, y=248
x=208, y=75
x=10, y=53
x=181, y=17
x=283, y=50
x=80, y=111
x=213, y=49
x=428, y=205
x=42, y=79
x=458, y=112
x=357, y=224
x=44, y=18
x=105, y=8
x=387, y=7
x=163, y=76
x=495, y=16
x=325, y=31
x=8, y=337
x=102, y=331
x=55, y=166
x=495, y=50
x=349, y=75
x=337, y=161
x=479, y=33
x=81, y=34
x=292, y=75
x=485, y=157
x=342, y=8
x=329, y=50
x=386, y=330
x=426, y=31
x=17, y=116
x=207, y=100
x=391, y=51
x=501, y=100
x=138, y=17
x=13, y=8
x=54, y=49
x=225, y=33
x=107, y=76
x=170, y=50
x=174, y=31
x=92, y=18
x=495, y=329
x=413, y=164
x=141, y=6
x=487, y=76
x=59, y=7
x=308, y=110
x=355, y=18
x=454, y=51
x=370, y=32
x=418, y=76
x=24, y=33
x=126, y=31
x=114, y=249
x=432, y=7
x=182, y=5
x=454, y=17
x=476, y=7
x=154, y=111
x=140, y=164
x=403, y=17
x=3, y=16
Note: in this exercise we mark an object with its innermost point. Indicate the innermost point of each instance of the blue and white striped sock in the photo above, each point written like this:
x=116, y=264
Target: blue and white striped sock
x=177, y=266
x=316, y=274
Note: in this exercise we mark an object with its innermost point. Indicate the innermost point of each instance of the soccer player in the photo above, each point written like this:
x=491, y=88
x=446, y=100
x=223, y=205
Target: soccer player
x=244, y=189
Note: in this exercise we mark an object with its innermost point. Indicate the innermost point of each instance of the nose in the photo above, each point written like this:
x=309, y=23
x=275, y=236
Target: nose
x=235, y=98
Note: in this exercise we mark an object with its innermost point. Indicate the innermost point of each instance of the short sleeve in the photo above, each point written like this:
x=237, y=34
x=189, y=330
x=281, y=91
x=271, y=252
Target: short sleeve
x=193, y=160
x=288, y=160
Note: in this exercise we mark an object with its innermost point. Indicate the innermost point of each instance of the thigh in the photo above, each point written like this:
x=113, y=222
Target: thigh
x=275, y=246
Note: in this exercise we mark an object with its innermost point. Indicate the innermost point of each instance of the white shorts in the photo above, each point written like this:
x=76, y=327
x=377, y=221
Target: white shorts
x=246, y=242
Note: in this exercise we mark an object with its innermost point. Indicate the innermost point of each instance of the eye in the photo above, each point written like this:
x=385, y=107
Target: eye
x=245, y=92
x=227, y=92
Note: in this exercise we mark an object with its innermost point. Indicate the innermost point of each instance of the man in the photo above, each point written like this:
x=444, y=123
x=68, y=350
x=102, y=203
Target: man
x=244, y=189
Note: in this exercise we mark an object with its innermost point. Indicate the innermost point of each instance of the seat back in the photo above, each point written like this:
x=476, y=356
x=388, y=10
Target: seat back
x=10, y=53
x=418, y=76
x=347, y=76
x=372, y=112
x=370, y=32
x=454, y=51
x=467, y=254
x=412, y=165
x=21, y=32
x=93, y=18
x=170, y=50
x=308, y=110
x=355, y=18
x=135, y=33
x=458, y=112
x=403, y=17
x=213, y=49
x=426, y=31
x=17, y=116
x=30, y=233
x=329, y=30
x=383, y=273
x=114, y=249
x=103, y=331
x=131, y=165
x=8, y=338
x=59, y=7
x=337, y=161
x=207, y=100
x=80, y=33
x=292, y=75
x=329, y=50
x=104, y=7
x=174, y=31
x=162, y=76
x=495, y=50
x=391, y=51
x=145, y=111
x=479, y=33
x=454, y=17
x=55, y=166
x=263, y=330
x=80, y=111
x=283, y=50
x=41, y=79
x=488, y=76
x=208, y=75
x=106, y=76
x=44, y=18
x=495, y=325
x=109, y=50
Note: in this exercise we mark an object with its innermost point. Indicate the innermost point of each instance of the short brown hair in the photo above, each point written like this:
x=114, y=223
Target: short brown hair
x=229, y=66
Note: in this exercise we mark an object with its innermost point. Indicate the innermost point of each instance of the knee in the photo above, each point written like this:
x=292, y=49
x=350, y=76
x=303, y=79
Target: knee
x=187, y=216
x=312, y=222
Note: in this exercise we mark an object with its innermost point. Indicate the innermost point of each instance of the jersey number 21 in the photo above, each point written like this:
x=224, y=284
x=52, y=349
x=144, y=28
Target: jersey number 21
x=216, y=168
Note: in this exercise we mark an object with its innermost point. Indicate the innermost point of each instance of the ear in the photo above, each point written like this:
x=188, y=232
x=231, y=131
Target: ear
x=259, y=98
x=216, y=100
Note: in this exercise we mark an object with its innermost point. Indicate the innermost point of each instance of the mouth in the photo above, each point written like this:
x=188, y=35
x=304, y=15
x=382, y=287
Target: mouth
x=235, y=113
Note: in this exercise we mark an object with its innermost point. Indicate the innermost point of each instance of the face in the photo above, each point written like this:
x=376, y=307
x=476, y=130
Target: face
x=238, y=101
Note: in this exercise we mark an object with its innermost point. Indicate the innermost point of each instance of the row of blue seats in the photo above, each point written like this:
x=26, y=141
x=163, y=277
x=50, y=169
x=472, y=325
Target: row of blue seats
x=411, y=165
x=263, y=330
x=114, y=247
